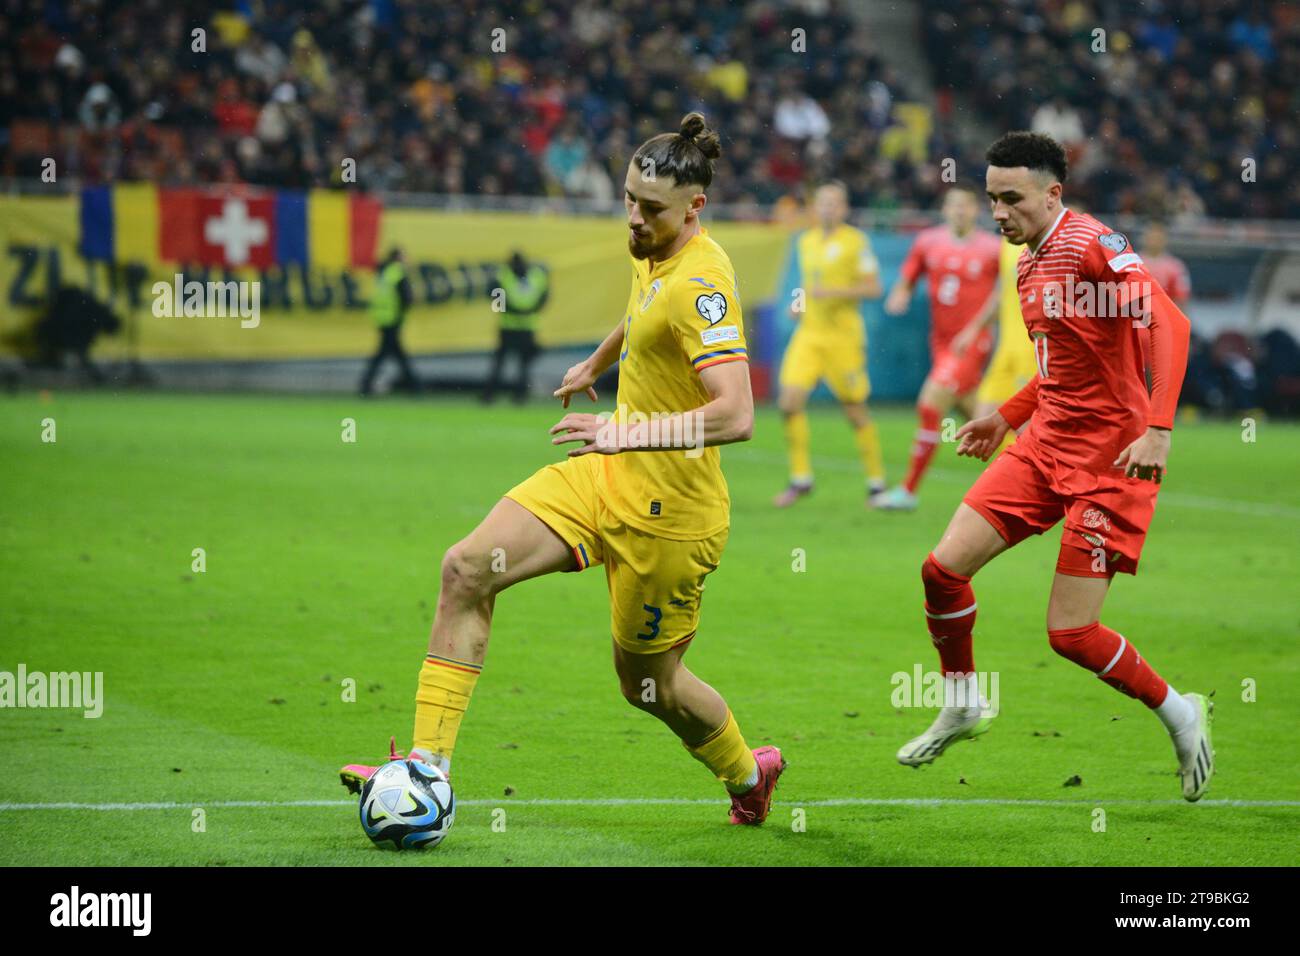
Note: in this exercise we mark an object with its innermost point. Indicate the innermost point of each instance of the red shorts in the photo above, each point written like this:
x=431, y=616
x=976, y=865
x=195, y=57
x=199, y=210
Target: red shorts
x=962, y=373
x=1025, y=491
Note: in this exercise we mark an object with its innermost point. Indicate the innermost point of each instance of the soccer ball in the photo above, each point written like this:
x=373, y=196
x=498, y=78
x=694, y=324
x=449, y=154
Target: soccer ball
x=407, y=805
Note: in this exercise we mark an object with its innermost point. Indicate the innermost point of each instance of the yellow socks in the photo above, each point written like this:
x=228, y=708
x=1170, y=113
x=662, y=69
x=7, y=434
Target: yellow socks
x=726, y=754
x=445, y=688
x=798, y=441
x=868, y=439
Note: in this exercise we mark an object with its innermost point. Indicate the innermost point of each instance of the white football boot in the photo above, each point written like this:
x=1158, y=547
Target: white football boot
x=952, y=724
x=1194, y=749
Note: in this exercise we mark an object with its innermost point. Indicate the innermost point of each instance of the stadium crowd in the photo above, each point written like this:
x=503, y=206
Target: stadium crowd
x=1160, y=122
x=428, y=98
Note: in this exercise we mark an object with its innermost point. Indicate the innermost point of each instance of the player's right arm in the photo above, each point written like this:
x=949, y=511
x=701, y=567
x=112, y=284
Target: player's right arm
x=986, y=317
x=980, y=437
x=581, y=377
x=900, y=297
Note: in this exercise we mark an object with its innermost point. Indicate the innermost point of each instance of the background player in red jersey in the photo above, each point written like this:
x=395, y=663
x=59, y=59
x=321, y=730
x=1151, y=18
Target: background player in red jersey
x=961, y=263
x=1167, y=270
x=1093, y=454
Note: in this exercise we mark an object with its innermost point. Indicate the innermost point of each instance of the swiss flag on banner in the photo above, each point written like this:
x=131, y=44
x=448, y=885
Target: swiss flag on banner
x=235, y=231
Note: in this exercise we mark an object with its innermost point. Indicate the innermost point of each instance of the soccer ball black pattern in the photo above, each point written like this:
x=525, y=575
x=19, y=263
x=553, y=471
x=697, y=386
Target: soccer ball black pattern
x=407, y=805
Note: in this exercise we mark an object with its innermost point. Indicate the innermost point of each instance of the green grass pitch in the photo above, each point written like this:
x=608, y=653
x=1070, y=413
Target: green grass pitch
x=226, y=687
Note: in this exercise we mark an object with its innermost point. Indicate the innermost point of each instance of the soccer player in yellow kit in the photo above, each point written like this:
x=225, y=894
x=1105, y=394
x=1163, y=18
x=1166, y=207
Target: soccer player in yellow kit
x=643, y=493
x=837, y=271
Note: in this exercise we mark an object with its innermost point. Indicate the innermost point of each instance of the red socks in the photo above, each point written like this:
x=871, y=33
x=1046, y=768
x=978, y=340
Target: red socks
x=950, y=615
x=1112, y=658
x=927, y=438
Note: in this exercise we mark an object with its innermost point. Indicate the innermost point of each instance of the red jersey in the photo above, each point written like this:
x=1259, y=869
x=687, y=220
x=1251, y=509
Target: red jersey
x=962, y=274
x=1172, y=275
x=1084, y=295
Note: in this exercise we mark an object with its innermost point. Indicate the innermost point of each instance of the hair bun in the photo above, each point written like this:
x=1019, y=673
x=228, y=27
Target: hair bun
x=694, y=129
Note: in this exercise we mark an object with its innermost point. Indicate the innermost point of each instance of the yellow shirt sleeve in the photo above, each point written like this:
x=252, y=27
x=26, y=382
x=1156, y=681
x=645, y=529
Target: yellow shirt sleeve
x=706, y=318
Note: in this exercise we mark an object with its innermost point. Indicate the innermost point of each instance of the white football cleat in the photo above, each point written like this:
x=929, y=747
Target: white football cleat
x=952, y=724
x=1194, y=749
x=895, y=499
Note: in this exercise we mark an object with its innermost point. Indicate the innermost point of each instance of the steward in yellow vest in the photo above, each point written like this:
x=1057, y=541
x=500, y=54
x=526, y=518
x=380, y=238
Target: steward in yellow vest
x=524, y=291
x=388, y=305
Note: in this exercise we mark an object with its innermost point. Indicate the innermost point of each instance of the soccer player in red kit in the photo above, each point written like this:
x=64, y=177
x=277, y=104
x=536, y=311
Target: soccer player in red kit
x=1094, y=453
x=961, y=263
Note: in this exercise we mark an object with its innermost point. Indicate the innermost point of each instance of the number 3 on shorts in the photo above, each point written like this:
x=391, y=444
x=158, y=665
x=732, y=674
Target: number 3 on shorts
x=652, y=623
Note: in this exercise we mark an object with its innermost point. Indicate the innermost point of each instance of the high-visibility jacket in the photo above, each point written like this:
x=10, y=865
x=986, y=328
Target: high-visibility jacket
x=523, y=296
x=386, y=302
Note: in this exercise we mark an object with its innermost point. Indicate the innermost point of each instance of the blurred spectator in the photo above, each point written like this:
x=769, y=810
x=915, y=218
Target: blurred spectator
x=1059, y=120
x=798, y=115
x=1163, y=117
x=99, y=111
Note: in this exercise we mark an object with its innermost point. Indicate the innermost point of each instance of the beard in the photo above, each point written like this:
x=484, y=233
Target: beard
x=647, y=247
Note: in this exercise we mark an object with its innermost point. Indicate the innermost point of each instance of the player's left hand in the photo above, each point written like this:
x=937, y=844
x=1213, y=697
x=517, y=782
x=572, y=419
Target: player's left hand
x=598, y=433
x=962, y=341
x=1145, y=458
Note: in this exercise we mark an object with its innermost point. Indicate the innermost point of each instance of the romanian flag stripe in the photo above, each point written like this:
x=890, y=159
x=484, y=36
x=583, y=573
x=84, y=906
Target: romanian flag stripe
x=291, y=227
x=455, y=665
x=327, y=229
x=718, y=357
x=581, y=553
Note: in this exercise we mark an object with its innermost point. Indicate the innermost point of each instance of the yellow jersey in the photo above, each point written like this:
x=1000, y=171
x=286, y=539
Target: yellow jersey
x=836, y=259
x=1011, y=325
x=683, y=315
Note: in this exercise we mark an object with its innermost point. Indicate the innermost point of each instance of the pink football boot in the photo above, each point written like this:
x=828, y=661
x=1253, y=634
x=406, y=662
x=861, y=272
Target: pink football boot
x=750, y=808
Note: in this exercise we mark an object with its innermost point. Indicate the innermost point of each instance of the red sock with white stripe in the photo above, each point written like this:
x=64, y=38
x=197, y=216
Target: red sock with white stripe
x=927, y=438
x=1111, y=656
x=950, y=616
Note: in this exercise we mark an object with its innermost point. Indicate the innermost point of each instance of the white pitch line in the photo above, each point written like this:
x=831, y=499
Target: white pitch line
x=655, y=802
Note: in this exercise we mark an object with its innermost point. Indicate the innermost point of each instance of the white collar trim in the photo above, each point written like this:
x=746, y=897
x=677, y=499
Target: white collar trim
x=1048, y=235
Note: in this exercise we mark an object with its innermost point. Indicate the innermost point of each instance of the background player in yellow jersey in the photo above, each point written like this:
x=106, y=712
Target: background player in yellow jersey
x=643, y=493
x=1012, y=364
x=837, y=271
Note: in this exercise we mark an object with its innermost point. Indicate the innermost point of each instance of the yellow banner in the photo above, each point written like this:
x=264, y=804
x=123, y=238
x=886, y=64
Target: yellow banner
x=321, y=312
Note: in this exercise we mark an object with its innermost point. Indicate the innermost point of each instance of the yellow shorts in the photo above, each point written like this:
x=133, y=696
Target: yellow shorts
x=1010, y=370
x=810, y=359
x=655, y=584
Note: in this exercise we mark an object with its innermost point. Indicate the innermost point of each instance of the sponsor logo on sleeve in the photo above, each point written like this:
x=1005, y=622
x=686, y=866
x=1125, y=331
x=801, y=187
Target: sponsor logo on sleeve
x=712, y=307
x=721, y=333
x=1120, y=263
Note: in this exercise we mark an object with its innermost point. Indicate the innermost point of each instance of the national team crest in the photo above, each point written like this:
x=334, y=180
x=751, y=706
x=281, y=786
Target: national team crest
x=650, y=296
x=1095, y=518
